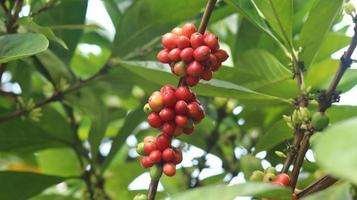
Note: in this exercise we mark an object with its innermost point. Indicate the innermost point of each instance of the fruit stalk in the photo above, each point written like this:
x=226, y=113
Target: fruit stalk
x=320, y=184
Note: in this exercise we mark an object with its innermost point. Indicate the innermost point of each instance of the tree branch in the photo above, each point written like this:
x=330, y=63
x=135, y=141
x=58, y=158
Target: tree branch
x=152, y=189
x=318, y=185
x=293, y=150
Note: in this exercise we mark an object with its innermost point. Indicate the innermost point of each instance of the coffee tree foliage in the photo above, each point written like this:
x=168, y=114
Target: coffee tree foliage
x=70, y=120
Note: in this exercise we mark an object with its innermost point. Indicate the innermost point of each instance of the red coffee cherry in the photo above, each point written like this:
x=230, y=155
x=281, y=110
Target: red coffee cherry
x=282, y=179
x=167, y=87
x=216, y=66
x=156, y=101
x=174, y=54
x=188, y=29
x=183, y=42
x=154, y=120
x=163, y=142
x=192, y=80
x=179, y=69
x=169, y=98
x=211, y=41
x=193, y=109
x=194, y=69
x=146, y=162
x=207, y=75
x=201, y=53
x=177, y=31
x=163, y=56
x=167, y=114
x=181, y=107
x=188, y=130
x=169, y=41
x=177, y=132
x=178, y=157
x=201, y=114
x=221, y=55
x=196, y=40
x=155, y=156
x=183, y=93
x=181, y=120
x=169, y=169
x=168, y=154
x=212, y=61
x=168, y=128
x=149, y=138
x=187, y=54
x=150, y=147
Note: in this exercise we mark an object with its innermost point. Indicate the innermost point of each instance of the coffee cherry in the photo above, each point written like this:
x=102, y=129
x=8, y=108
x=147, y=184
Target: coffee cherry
x=179, y=69
x=146, y=162
x=168, y=154
x=201, y=53
x=183, y=93
x=216, y=66
x=282, y=179
x=193, y=109
x=147, y=108
x=168, y=128
x=177, y=132
x=155, y=156
x=187, y=54
x=140, y=197
x=155, y=172
x=211, y=41
x=169, y=169
x=201, y=114
x=181, y=120
x=221, y=55
x=183, y=42
x=167, y=114
x=150, y=147
x=270, y=170
x=156, y=101
x=196, y=40
x=192, y=80
x=174, y=54
x=207, y=75
x=212, y=61
x=178, y=157
x=166, y=87
x=181, y=107
x=194, y=69
x=163, y=142
x=163, y=56
x=257, y=176
x=188, y=130
x=188, y=29
x=319, y=121
x=154, y=120
x=140, y=149
x=169, y=41
x=149, y=138
x=169, y=98
x=268, y=177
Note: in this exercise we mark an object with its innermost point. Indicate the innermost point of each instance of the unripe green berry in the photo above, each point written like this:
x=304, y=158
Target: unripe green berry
x=140, y=149
x=140, y=197
x=268, y=177
x=257, y=176
x=319, y=121
x=271, y=170
x=147, y=108
x=155, y=172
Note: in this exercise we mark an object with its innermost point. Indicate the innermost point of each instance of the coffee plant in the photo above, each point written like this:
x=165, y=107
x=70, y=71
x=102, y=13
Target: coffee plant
x=203, y=99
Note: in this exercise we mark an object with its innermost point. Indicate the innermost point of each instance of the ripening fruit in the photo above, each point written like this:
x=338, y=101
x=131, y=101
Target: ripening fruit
x=221, y=55
x=181, y=120
x=146, y=162
x=169, y=98
x=163, y=56
x=181, y=107
x=150, y=147
x=174, y=54
x=178, y=156
x=268, y=177
x=270, y=170
x=188, y=29
x=212, y=61
x=196, y=40
x=169, y=169
x=183, y=93
x=140, y=149
x=154, y=120
x=193, y=109
x=168, y=154
x=187, y=54
x=194, y=69
x=149, y=138
x=147, y=108
x=179, y=69
x=188, y=130
x=155, y=156
x=211, y=41
x=140, y=197
x=282, y=179
x=167, y=114
x=257, y=176
x=319, y=121
x=207, y=75
x=201, y=53
x=192, y=80
x=168, y=128
x=155, y=172
x=167, y=87
x=156, y=101
x=201, y=114
x=177, y=132
x=177, y=31
x=169, y=41
x=163, y=142
x=183, y=42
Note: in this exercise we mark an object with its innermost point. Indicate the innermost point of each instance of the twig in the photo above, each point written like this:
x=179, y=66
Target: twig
x=318, y=185
x=293, y=150
x=152, y=189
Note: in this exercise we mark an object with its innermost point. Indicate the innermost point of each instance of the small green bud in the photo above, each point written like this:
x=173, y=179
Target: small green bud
x=140, y=197
x=280, y=154
x=257, y=176
x=319, y=121
x=268, y=177
x=271, y=170
x=147, y=108
x=305, y=114
x=295, y=117
x=287, y=119
x=155, y=172
x=140, y=149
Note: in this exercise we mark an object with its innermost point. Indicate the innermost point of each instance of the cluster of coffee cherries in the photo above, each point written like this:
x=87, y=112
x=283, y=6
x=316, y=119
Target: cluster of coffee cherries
x=191, y=55
x=270, y=176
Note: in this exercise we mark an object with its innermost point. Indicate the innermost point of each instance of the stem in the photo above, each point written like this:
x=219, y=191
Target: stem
x=152, y=189
x=293, y=150
x=318, y=185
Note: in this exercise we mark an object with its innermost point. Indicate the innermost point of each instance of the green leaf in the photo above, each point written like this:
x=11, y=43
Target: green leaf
x=248, y=164
x=311, y=42
x=338, y=192
x=334, y=41
x=225, y=192
x=113, y=11
x=279, y=14
x=147, y=19
x=16, y=46
x=32, y=26
x=335, y=149
x=23, y=185
x=274, y=136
